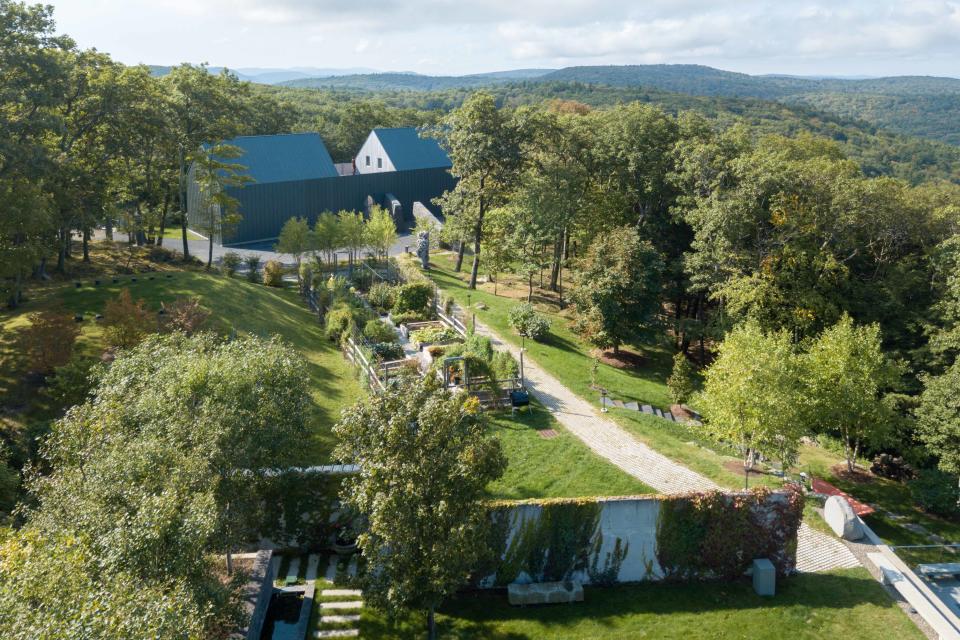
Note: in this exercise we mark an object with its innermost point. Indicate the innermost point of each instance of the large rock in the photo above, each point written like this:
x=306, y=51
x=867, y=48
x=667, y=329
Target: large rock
x=840, y=516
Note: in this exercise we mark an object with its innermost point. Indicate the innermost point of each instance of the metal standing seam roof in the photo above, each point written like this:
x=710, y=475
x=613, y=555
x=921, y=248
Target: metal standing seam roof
x=283, y=157
x=408, y=151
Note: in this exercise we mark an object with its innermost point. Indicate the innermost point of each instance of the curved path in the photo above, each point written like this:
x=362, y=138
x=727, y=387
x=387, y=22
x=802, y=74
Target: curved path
x=816, y=551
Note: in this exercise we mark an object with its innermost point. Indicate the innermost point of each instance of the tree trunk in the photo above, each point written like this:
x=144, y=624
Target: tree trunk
x=229, y=563
x=555, y=264
x=460, y=248
x=14, y=300
x=108, y=228
x=86, y=244
x=62, y=252
x=183, y=233
x=182, y=194
x=530, y=288
x=476, y=259
x=163, y=217
x=431, y=624
x=210, y=253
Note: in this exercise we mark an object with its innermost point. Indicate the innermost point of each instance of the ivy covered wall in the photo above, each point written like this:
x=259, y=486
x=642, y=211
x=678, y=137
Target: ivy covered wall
x=608, y=540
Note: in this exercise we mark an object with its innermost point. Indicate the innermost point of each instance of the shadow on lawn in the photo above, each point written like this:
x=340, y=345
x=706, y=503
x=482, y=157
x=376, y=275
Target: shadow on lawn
x=643, y=608
x=819, y=590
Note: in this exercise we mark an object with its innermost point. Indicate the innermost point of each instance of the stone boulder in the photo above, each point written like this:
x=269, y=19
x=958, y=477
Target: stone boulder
x=840, y=516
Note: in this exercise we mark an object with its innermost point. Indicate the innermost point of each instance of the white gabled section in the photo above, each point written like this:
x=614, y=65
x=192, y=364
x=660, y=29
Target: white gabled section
x=372, y=157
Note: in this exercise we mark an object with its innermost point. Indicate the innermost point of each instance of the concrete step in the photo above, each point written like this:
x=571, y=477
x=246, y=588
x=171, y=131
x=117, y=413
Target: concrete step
x=293, y=571
x=312, y=563
x=340, y=618
x=331, y=573
x=346, y=604
x=337, y=633
x=341, y=593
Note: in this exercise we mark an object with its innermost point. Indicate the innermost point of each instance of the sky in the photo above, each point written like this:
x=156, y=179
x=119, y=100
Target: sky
x=454, y=37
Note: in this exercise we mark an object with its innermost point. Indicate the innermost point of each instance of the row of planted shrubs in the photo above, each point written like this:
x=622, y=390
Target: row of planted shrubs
x=348, y=316
x=272, y=270
x=411, y=302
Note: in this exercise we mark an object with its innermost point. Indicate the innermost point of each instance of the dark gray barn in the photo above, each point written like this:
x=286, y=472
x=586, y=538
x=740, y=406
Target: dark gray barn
x=293, y=175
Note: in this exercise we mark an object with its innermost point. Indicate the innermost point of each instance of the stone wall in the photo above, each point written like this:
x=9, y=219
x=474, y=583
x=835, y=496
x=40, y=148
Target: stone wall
x=631, y=539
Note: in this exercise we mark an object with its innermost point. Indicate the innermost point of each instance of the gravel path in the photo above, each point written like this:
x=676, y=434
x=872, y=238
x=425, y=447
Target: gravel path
x=816, y=551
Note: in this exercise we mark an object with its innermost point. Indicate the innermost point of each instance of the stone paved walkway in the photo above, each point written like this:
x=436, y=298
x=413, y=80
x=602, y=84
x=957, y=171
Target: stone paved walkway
x=816, y=551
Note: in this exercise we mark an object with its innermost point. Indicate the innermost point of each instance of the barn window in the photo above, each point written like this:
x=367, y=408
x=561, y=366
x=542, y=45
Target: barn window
x=368, y=161
x=379, y=163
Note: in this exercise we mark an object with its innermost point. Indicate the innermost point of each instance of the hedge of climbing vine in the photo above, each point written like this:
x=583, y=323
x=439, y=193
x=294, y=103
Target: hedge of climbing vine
x=717, y=535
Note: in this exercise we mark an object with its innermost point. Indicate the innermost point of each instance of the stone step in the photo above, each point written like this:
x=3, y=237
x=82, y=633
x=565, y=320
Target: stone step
x=337, y=633
x=346, y=604
x=646, y=408
x=294, y=570
x=331, y=573
x=633, y=406
x=313, y=562
x=341, y=593
x=340, y=618
x=618, y=404
x=669, y=416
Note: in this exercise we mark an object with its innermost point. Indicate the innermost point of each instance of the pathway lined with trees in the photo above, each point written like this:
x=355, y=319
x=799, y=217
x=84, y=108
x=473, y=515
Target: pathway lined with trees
x=816, y=551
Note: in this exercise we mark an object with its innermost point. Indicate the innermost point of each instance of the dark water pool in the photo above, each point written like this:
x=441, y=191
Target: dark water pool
x=282, y=615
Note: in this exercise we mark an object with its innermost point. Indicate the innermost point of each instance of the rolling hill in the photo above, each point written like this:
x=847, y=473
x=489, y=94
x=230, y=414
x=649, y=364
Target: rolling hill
x=922, y=106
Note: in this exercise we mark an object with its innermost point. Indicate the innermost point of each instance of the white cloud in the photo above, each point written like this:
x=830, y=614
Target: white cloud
x=453, y=36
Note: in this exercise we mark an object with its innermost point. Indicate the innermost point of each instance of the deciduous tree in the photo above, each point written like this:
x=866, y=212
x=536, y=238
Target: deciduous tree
x=425, y=462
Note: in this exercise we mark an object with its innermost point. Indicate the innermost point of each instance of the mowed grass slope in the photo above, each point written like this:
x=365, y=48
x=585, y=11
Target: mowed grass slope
x=567, y=357
x=845, y=604
x=235, y=305
x=557, y=467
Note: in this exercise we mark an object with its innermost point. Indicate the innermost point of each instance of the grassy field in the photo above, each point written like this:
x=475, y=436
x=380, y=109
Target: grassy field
x=566, y=356
x=538, y=467
x=235, y=305
x=846, y=603
x=558, y=467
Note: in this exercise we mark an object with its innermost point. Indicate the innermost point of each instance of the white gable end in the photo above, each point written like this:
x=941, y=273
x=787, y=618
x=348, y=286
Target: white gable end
x=372, y=158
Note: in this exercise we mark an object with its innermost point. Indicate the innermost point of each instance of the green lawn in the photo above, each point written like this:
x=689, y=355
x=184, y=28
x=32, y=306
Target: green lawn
x=565, y=355
x=235, y=305
x=175, y=233
x=844, y=604
x=560, y=467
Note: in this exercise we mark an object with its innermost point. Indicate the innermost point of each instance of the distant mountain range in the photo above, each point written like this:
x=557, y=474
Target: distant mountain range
x=923, y=106
x=275, y=76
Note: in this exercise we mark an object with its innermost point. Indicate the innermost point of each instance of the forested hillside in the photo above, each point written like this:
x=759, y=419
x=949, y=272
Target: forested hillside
x=344, y=116
x=923, y=106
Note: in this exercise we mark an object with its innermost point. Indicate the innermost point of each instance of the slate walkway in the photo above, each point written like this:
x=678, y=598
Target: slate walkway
x=816, y=551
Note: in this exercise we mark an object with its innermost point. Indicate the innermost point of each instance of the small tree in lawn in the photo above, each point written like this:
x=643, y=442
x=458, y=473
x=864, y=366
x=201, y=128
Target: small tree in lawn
x=252, y=261
x=617, y=291
x=425, y=462
x=326, y=237
x=127, y=321
x=296, y=239
x=48, y=340
x=214, y=175
x=938, y=418
x=231, y=261
x=751, y=395
x=680, y=381
x=847, y=374
x=381, y=232
x=185, y=315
